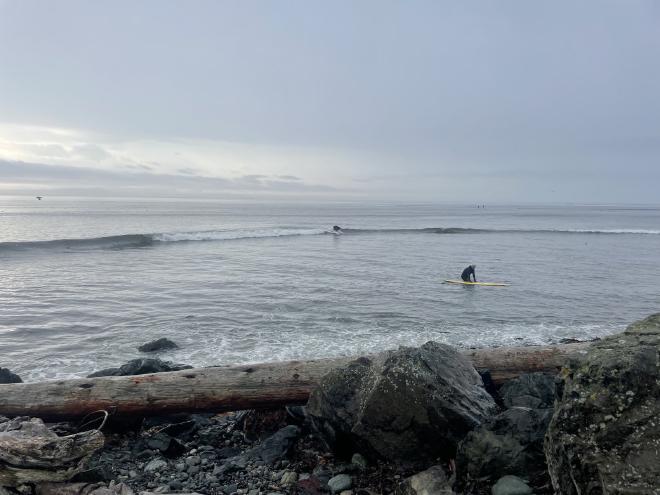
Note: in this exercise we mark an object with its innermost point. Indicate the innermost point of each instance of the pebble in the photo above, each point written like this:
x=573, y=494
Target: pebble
x=289, y=478
x=359, y=461
x=155, y=465
x=511, y=485
x=340, y=483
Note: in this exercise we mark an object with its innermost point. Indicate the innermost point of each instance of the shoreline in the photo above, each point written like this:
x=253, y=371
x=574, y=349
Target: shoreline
x=334, y=444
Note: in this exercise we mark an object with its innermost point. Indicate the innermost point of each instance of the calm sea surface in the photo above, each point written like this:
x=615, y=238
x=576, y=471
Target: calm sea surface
x=83, y=282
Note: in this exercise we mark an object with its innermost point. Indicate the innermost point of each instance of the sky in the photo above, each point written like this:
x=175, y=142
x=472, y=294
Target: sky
x=480, y=101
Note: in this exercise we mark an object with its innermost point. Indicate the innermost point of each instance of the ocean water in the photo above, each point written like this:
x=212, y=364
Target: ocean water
x=83, y=282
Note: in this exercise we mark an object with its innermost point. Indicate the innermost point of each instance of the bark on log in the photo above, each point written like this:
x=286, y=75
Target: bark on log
x=231, y=388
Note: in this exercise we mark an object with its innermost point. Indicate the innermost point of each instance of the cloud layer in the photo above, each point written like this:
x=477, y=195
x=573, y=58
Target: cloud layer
x=500, y=101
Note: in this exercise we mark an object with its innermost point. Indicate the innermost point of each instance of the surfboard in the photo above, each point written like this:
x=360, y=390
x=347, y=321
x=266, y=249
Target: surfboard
x=487, y=284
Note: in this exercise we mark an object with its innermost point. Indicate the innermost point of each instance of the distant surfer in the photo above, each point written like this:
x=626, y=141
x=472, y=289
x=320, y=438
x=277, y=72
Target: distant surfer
x=336, y=229
x=465, y=276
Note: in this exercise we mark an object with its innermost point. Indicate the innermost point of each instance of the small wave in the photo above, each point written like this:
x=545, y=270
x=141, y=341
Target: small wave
x=146, y=240
x=461, y=230
x=109, y=242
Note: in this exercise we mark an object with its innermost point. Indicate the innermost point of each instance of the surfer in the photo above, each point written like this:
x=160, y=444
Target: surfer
x=465, y=276
x=336, y=229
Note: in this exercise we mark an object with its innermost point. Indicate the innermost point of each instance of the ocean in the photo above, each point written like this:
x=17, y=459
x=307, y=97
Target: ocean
x=85, y=281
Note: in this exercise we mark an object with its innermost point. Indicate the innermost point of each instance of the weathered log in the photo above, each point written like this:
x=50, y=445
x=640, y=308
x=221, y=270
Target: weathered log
x=32, y=453
x=230, y=388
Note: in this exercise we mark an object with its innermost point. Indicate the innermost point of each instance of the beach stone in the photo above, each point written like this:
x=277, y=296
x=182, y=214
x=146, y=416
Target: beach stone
x=168, y=446
x=155, y=465
x=533, y=390
x=604, y=436
x=433, y=481
x=7, y=376
x=410, y=406
x=509, y=443
x=289, y=478
x=511, y=485
x=340, y=483
x=359, y=461
x=309, y=486
x=161, y=344
x=141, y=366
x=276, y=446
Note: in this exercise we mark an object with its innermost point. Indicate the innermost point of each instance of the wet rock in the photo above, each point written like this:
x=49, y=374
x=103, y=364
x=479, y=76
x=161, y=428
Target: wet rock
x=7, y=376
x=411, y=406
x=276, y=446
x=162, y=344
x=511, y=485
x=141, y=366
x=605, y=433
x=340, y=483
x=510, y=443
x=534, y=390
x=433, y=481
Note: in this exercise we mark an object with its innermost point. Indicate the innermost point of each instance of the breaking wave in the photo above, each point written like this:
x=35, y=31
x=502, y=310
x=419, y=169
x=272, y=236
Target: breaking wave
x=147, y=240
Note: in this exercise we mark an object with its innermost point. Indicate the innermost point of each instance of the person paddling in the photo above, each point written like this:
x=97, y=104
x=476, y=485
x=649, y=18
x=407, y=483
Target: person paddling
x=465, y=276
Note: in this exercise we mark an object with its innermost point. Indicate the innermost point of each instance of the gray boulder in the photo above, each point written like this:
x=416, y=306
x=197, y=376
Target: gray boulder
x=141, y=366
x=162, y=344
x=433, y=481
x=412, y=405
x=509, y=444
x=7, y=376
x=534, y=390
x=605, y=433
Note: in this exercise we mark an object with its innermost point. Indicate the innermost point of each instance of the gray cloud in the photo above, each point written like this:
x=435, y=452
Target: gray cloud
x=522, y=96
x=66, y=180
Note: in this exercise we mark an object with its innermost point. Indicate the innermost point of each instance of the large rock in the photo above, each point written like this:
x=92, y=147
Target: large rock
x=141, y=366
x=162, y=344
x=412, y=405
x=534, y=390
x=511, y=443
x=605, y=435
x=7, y=376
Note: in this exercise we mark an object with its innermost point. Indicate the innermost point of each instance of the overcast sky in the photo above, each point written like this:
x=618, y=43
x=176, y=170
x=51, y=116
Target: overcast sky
x=480, y=101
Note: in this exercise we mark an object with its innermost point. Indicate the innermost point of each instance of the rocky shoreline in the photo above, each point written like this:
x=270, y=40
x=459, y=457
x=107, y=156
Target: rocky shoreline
x=416, y=421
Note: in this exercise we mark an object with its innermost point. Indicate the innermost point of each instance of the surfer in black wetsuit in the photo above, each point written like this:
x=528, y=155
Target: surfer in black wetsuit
x=336, y=228
x=465, y=276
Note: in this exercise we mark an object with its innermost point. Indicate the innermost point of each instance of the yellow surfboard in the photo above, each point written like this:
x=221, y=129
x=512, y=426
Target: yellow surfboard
x=487, y=284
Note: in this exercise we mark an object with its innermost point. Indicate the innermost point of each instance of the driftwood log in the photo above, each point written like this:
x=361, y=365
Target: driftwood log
x=32, y=453
x=231, y=388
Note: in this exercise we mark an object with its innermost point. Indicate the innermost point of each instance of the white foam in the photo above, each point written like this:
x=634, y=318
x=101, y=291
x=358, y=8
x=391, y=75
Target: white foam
x=222, y=235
